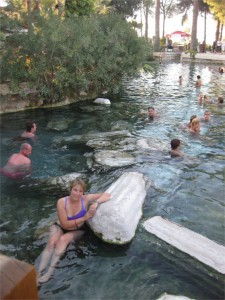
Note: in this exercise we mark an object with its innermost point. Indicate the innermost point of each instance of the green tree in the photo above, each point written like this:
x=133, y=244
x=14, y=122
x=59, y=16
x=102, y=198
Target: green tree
x=146, y=7
x=62, y=57
x=194, y=29
x=27, y=11
x=217, y=7
x=197, y=6
x=79, y=7
x=157, y=26
x=127, y=8
x=204, y=9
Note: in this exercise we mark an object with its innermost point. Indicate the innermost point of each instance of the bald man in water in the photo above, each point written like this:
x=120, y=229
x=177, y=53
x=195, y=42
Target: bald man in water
x=18, y=165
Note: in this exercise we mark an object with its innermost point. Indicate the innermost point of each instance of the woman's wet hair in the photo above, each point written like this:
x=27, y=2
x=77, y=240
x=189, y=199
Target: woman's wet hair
x=77, y=181
x=195, y=121
x=191, y=119
x=29, y=126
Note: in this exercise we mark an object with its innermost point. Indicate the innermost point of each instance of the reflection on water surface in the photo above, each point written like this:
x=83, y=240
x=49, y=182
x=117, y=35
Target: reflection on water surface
x=189, y=192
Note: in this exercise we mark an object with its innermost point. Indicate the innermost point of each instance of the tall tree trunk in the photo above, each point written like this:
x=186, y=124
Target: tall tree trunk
x=221, y=32
x=194, y=25
x=141, y=19
x=29, y=15
x=205, y=24
x=217, y=30
x=146, y=19
x=36, y=6
x=157, y=28
x=164, y=22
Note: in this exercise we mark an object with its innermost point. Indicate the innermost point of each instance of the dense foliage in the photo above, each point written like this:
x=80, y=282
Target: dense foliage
x=62, y=57
x=125, y=7
x=218, y=9
x=79, y=8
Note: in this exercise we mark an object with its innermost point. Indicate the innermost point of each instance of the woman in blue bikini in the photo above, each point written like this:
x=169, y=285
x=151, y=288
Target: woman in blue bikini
x=73, y=211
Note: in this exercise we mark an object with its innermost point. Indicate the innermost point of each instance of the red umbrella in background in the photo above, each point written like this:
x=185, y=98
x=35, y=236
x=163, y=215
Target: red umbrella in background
x=178, y=33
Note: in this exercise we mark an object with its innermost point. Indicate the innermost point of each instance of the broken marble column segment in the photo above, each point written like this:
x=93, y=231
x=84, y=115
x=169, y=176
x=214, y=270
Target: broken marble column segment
x=196, y=245
x=117, y=219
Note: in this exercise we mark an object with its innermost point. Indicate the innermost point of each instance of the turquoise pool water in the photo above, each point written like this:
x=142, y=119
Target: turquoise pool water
x=190, y=192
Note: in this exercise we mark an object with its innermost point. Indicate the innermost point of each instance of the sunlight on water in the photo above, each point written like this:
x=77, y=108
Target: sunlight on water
x=189, y=192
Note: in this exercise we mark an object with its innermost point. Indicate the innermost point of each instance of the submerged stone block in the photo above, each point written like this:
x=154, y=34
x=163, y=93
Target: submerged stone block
x=166, y=296
x=113, y=158
x=63, y=180
x=102, y=101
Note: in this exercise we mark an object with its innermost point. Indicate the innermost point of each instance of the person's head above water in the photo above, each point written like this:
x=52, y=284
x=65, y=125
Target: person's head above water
x=31, y=126
x=195, y=125
x=25, y=149
x=191, y=119
x=151, y=111
x=220, y=100
x=207, y=115
x=77, y=181
x=175, y=143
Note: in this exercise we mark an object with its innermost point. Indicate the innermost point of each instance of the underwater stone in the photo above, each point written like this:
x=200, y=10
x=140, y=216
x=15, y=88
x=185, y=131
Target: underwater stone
x=102, y=101
x=63, y=180
x=114, y=158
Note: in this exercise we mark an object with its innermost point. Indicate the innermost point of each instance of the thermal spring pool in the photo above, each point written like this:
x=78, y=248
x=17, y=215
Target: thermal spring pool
x=187, y=191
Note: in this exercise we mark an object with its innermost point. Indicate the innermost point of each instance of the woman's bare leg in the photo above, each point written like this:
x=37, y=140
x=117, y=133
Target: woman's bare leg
x=60, y=248
x=46, y=255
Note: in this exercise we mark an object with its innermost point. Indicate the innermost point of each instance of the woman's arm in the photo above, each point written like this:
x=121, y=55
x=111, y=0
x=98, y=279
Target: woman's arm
x=98, y=198
x=95, y=199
